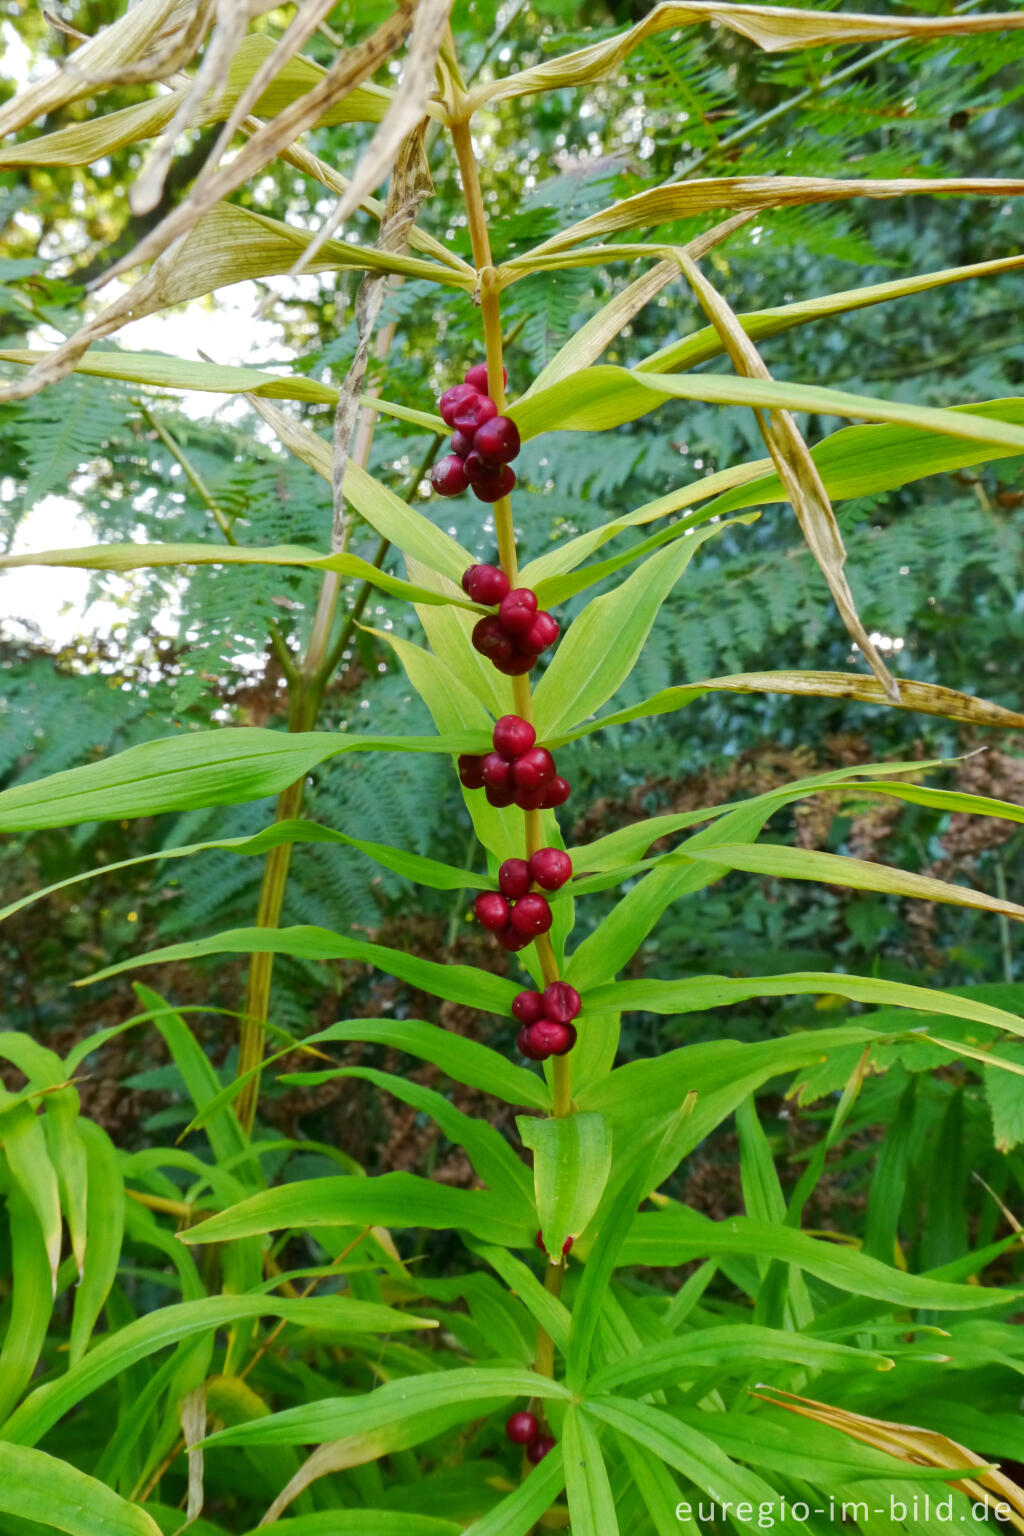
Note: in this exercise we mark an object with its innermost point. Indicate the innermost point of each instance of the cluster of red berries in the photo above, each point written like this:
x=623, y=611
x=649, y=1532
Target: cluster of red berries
x=547, y=1018
x=523, y=1428
x=513, y=637
x=514, y=913
x=518, y=772
x=483, y=443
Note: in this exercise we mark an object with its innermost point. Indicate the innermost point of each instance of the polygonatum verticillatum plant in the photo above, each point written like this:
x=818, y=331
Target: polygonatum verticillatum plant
x=203, y=1334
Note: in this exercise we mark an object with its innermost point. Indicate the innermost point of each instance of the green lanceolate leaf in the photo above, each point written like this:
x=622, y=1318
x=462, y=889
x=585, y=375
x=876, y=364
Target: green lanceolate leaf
x=734, y=1349
x=488, y=1151
x=413, y=866
x=591, y=1504
x=392, y=1200
x=337, y=1417
x=572, y=1157
x=518, y=1513
x=464, y=1061
x=31, y=1300
x=696, y=993
x=56, y=1496
x=136, y=557
x=197, y=768
x=675, y=1235
x=105, y=1231
x=459, y=983
x=186, y=1320
x=586, y=670
x=605, y=396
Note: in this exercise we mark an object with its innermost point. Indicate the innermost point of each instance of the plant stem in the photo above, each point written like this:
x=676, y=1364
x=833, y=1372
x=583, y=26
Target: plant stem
x=544, y=1359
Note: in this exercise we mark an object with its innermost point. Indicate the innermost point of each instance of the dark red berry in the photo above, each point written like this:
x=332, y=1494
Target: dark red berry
x=517, y=611
x=530, y=799
x=517, y=664
x=462, y=443
x=522, y=1428
x=497, y=440
x=528, y=1007
x=476, y=378
x=538, y=1449
x=514, y=878
x=491, y=640
x=561, y=1002
x=485, y=584
x=565, y=1249
x=550, y=867
x=471, y=771
x=557, y=1039
x=448, y=476
x=451, y=400
x=531, y=915
x=491, y=911
x=541, y=633
x=501, y=483
x=472, y=411
x=534, y=768
x=500, y=796
x=556, y=792
x=527, y=1047
x=509, y=939
x=512, y=735
x=497, y=771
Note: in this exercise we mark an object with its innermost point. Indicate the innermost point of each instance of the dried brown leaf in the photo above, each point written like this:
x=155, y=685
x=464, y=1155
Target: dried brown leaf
x=772, y=28
x=796, y=470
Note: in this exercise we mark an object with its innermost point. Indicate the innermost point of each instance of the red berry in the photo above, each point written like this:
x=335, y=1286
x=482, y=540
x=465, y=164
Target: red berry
x=517, y=664
x=491, y=911
x=542, y=632
x=512, y=735
x=538, y=1449
x=556, y=792
x=491, y=640
x=556, y=1039
x=534, y=768
x=497, y=440
x=565, y=1246
x=485, y=584
x=500, y=483
x=509, y=939
x=448, y=476
x=527, y=1048
x=451, y=400
x=550, y=867
x=497, y=771
x=528, y=1007
x=522, y=1428
x=471, y=771
x=476, y=378
x=499, y=796
x=472, y=411
x=531, y=915
x=530, y=799
x=514, y=878
x=462, y=443
x=517, y=611
x=561, y=1002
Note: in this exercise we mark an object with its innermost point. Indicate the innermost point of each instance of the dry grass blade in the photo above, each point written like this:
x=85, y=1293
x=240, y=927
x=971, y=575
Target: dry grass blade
x=206, y=91
x=164, y=241
x=587, y=344
x=101, y=57
x=192, y=1412
x=922, y=698
x=410, y=184
x=405, y=111
x=772, y=28
x=915, y=1446
x=796, y=469
x=687, y=199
